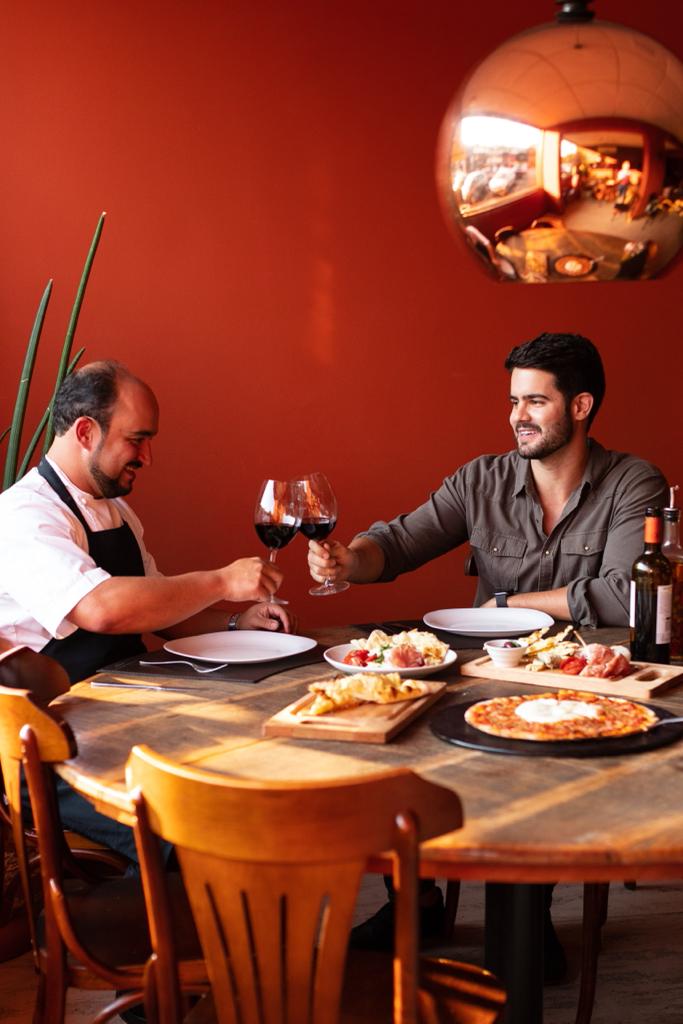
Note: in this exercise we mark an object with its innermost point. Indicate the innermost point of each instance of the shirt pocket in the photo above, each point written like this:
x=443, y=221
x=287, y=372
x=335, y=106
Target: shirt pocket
x=581, y=555
x=498, y=558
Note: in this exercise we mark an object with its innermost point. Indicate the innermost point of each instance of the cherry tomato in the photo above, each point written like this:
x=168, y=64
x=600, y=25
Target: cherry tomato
x=572, y=665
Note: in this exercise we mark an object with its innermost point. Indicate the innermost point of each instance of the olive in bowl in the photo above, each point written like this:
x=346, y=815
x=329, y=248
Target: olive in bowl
x=505, y=653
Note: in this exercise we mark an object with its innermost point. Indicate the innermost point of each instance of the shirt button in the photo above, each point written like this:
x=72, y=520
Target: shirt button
x=586, y=548
x=547, y=553
x=496, y=550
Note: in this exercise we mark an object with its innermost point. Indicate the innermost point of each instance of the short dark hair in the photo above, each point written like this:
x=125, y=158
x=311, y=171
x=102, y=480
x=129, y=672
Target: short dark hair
x=573, y=360
x=91, y=391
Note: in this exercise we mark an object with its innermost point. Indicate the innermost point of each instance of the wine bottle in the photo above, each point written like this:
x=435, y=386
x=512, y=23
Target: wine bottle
x=650, y=617
x=671, y=549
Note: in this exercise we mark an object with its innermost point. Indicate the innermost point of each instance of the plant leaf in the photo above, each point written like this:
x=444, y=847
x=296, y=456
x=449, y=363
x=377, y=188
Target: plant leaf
x=73, y=321
x=31, y=447
x=22, y=391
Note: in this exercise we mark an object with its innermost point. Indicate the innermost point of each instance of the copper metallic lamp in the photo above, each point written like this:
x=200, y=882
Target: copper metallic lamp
x=561, y=157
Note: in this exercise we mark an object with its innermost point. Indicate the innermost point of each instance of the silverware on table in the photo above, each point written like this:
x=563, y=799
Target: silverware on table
x=183, y=661
x=139, y=686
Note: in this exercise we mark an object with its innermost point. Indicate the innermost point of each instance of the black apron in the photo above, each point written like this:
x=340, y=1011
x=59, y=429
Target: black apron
x=118, y=553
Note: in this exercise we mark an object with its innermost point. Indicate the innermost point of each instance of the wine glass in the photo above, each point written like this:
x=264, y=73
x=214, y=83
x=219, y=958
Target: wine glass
x=318, y=520
x=277, y=518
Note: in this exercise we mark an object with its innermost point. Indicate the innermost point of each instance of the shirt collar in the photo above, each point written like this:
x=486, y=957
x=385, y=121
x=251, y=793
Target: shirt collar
x=595, y=467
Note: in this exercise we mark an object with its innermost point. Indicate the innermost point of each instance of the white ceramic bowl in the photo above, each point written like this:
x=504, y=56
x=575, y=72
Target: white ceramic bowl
x=502, y=655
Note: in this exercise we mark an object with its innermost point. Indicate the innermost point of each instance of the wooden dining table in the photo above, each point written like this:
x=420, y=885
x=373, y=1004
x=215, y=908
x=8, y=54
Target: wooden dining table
x=527, y=819
x=545, y=246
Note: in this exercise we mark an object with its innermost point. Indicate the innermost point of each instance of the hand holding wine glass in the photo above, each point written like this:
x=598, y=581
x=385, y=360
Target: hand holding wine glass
x=277, y=517
x=318, y=519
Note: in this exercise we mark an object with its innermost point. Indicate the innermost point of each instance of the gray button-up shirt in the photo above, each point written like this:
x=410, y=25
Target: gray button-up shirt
x=492, y=503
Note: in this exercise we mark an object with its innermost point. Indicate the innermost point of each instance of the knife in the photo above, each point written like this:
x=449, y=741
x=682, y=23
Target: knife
x=141, y=686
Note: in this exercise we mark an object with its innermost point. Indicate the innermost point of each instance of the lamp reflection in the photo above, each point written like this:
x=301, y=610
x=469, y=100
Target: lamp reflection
x=554, y=183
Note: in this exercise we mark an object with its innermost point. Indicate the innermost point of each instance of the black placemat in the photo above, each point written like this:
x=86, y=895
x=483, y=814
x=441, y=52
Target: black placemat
x=449, y=725
x=240, y=672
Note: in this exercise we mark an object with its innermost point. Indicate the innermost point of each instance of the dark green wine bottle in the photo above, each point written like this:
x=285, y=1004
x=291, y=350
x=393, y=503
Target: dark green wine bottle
x=650, y=617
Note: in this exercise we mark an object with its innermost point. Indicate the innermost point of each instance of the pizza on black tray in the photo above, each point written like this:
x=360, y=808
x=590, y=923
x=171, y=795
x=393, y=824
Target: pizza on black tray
x=560, y=715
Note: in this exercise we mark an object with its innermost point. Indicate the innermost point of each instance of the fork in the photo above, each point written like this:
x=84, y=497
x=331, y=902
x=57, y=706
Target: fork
x=182, y=661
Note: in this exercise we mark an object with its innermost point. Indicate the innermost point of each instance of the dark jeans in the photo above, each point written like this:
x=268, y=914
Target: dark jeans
x=80, y=816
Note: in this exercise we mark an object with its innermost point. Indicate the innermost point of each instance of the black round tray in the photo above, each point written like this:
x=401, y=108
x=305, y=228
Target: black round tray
x=450, y=725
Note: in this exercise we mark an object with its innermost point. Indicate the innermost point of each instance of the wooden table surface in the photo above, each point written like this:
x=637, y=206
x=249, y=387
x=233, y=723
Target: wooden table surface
x=527, y=819
x=606, y=250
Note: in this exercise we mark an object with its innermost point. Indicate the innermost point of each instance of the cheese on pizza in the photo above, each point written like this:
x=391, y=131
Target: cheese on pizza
x=562, y=715
x=352, y=691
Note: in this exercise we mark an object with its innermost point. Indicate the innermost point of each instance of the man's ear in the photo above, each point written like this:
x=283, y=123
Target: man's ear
x=87, y=433
x=581, y=406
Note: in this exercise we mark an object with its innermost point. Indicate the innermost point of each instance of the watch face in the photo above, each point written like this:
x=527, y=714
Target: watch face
x=501, y=599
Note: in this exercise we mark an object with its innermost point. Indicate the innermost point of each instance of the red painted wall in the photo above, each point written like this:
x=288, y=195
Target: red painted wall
x=275, y=262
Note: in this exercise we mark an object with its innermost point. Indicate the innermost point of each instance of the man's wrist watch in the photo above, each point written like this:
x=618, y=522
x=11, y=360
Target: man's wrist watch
x=501, y=597
x=232, y=621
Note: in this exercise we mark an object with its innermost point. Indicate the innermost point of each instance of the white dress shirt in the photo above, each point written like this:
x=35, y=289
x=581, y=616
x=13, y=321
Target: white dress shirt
x=45, y=568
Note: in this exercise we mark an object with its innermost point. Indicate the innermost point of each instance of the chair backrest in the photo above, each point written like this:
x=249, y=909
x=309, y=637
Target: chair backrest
x=54, y=743
x=272, y=872
x=24, y=669
x=482, y=245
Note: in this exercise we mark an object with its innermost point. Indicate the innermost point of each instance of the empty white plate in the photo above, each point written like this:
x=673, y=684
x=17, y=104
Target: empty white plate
x=242, y=645
x=493, y=622
x=335, y=657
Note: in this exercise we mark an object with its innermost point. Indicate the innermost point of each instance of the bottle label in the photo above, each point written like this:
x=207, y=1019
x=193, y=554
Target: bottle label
x=653, y=529
x=663, y=626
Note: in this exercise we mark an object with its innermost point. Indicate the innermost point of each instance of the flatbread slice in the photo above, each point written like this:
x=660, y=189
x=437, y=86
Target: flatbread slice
x=362, y=688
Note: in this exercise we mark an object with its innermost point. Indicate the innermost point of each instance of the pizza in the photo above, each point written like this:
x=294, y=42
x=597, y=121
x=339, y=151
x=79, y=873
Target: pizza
x=561, y=715
x=352, y=691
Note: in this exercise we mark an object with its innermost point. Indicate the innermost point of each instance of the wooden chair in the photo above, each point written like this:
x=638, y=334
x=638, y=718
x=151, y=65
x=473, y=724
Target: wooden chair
x=548, y=220
x=272, y=874
x=501, y=266
x=503, y=233
x=24, y=669
x=91, y=934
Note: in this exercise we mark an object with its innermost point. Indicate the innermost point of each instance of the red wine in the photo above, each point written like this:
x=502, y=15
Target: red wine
x=317, y=529
x=275, y=535
x=650, y=616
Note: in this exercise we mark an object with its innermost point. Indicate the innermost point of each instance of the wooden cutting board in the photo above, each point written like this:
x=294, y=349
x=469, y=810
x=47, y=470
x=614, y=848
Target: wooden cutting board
x=646, y=680
x=369, y=723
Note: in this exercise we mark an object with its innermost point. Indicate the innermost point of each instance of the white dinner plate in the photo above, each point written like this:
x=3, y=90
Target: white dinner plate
x=492, y=622
x=335, y=657
x=241, y=645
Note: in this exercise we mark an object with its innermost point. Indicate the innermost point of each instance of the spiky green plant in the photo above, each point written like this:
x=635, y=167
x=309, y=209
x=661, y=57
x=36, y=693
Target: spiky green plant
x=66, y=365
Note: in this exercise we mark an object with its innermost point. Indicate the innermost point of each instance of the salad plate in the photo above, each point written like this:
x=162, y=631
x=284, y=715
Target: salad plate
x=334, y=656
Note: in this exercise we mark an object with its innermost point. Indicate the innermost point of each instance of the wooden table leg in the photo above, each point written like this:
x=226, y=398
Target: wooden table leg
x=514, y=947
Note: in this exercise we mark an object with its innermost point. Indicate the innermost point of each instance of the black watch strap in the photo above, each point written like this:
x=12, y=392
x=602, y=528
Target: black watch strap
x=501, y=597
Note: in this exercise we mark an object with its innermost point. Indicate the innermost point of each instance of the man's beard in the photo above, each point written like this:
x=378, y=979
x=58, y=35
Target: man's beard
x=555, y=437
x=110, y=486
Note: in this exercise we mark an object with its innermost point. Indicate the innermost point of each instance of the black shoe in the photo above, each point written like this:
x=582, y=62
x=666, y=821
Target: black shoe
x=378, y=931
x=554, y=959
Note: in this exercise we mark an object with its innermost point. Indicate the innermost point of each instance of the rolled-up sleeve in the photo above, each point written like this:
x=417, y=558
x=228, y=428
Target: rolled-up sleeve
x=410, y=540
x=604, y=600
x=44, y=568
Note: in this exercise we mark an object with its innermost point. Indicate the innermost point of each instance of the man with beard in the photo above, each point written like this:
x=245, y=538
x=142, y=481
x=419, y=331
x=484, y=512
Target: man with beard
x=554, y=525
x=76, y=581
